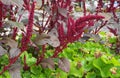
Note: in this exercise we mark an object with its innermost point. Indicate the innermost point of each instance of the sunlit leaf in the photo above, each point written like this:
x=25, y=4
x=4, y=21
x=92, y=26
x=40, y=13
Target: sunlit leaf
x=64, y=64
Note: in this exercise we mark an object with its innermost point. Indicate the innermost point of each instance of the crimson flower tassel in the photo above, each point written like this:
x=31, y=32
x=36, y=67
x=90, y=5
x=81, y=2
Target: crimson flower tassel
x=87, y=18
x=30, y=22
x=23, y=42
x=26, y=38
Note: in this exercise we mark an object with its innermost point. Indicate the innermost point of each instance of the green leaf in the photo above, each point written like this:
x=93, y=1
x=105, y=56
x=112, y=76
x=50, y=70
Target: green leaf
x=115, y=61
x=36, y=70
x=7, y=74
x=117, y=75
x=61, y=73
x=48, y=72
x=4, y=60
x=26, y=74
x=91, y=75
x=38, y=76
x=75, y=71
x=108, y=59
x=102, y=33
x=102, y=67
x=1, y=77
x=112, y=40
x=30, y=60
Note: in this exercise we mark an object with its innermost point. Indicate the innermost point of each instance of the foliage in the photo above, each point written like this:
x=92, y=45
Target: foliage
x=34, y=32
x=89, y=60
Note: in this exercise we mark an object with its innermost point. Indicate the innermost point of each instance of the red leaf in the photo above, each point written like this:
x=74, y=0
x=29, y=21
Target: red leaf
x=2, y=51
x=64, y=64
x=14, y=70
x=47, y=63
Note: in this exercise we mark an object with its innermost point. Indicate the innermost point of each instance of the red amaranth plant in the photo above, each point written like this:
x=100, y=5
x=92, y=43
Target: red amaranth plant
x=57, y=28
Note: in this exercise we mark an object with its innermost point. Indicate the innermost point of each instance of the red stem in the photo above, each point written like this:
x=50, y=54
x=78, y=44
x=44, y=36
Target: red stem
x=84, y=7
x=26, y=67
x=110, y=9
x=43, y=16
x=20, y=16
x=47, y=21
x=102, y=25
x=59, y=50
x=14, y=33
x=12, y=61
x=42, y=55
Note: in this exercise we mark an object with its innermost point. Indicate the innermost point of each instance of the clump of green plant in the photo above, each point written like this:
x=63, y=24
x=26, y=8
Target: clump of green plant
x=92, y=60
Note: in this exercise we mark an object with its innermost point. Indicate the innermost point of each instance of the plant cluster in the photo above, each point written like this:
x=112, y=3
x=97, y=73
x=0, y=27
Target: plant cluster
x=31, y=29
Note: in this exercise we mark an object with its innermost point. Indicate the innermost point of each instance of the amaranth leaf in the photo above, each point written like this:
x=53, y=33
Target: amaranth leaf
x=48, y=63
x=14, y=70
x=64, y=64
